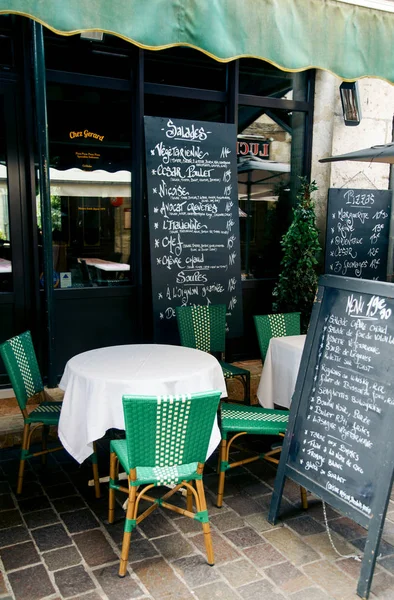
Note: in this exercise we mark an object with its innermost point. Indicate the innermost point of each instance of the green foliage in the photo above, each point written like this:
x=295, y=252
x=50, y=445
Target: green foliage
x=56, y=213
x=297, y=283
x=2, y=235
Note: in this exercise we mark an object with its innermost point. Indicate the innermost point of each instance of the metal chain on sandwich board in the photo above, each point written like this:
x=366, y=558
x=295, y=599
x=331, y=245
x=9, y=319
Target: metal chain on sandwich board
x=354, y=556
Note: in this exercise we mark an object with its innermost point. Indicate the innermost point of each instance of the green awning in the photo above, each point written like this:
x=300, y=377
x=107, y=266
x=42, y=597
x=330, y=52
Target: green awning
x=348, y=40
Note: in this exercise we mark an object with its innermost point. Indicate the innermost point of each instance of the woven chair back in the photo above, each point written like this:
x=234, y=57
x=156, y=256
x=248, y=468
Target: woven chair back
x=21, y=364
x=166, y=431
x=202, y=327
x=278, y=325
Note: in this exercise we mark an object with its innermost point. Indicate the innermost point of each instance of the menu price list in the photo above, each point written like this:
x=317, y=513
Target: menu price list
x=193, y=219
x=342, y=428
x=357, y=233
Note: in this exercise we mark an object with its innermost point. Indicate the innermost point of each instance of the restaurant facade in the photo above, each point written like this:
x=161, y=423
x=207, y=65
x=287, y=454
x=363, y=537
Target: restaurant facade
x=75, y=86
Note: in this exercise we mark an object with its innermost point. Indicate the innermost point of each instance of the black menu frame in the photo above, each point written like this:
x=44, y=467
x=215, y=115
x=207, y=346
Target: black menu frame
x=357, y=233
x=311, y=359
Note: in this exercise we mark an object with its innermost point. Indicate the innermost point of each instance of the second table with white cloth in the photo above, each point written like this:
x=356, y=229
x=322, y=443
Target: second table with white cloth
x=95, y=381
x=280, y=371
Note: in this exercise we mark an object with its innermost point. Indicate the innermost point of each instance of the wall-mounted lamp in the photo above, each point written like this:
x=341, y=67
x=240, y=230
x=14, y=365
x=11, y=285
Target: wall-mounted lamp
x=93, y=36
x=351, y=105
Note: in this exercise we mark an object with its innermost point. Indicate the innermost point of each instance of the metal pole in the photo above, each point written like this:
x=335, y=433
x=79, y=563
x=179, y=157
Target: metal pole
x=390, y=259
x=138, y=256
x=248, y=225
x=45, y=193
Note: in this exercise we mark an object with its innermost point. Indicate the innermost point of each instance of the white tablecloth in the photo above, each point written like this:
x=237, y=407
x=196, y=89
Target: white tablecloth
x=5, y=266
x=105, y=265
x=95, y=381
x=280, y=371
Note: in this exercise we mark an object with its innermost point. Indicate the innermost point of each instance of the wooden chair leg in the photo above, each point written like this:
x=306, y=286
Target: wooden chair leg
x=205, y=526
x=304, y=498
x=189, y=500
x=222, y=473
x=95, y=472
x=113, y=477
x=44, y=443
x=247, y=390
x=24, y=452
x=127, y=531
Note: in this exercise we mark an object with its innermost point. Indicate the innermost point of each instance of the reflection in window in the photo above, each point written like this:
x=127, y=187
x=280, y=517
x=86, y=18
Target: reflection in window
x=259, y=78
x=264, y=152
x=184, y=67
x=91, y=227
x=5, y=236
x=168, y=106
x=90, y=177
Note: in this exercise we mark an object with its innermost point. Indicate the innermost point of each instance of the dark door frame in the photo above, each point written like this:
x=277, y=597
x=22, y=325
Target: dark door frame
x=21, y=296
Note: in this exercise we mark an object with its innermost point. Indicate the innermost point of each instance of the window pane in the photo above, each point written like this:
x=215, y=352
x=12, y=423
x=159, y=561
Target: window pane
x=110, y=57
x=259, y=78
x=270, y=153
x=184, y=67
x=7, y=54
x=5, y=238
x=181, y=108
x=90, y=175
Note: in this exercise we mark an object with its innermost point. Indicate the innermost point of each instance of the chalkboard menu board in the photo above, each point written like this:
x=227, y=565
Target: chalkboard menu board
x=340, y=442
x=357, y=233
x=193, y=220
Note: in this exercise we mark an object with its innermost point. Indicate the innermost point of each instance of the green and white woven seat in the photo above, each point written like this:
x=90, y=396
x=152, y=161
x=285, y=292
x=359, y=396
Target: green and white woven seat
x=47, y=413
x=22, y=367
x=204, y=328
x=253, y=419
x=156, y=475
x=237, y=421
x=166, y=444
x=275, y=325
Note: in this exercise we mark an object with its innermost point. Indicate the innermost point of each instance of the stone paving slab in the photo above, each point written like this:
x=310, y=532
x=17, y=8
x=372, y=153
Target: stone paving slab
x=55, y=543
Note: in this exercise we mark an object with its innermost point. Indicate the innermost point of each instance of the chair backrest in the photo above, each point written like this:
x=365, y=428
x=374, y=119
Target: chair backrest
x=86, y=276
x=202, y=327
x=21, y=364
x=278, y=325
x=165, y=431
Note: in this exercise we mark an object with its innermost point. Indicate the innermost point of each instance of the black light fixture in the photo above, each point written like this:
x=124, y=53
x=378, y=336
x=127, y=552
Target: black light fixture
x=351, y=106
x=93, y=36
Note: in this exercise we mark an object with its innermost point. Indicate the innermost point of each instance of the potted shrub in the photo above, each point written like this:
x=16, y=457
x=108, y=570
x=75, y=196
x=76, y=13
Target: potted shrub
x=297, y=283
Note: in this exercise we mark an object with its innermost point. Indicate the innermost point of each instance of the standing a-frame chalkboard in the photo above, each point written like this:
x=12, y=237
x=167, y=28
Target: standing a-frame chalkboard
x=339, y=443
x=193, y=220
x=357, y=233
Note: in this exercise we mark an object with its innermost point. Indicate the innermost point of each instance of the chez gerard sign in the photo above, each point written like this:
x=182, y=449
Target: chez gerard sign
x=86, y=134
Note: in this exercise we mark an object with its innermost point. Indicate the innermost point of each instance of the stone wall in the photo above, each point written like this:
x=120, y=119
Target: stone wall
x=331, y=136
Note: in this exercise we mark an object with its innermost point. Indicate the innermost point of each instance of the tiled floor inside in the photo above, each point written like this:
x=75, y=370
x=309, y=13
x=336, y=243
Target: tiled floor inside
x=55, y=543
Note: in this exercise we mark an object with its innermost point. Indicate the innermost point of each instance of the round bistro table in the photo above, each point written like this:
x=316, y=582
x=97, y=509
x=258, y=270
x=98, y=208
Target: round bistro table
x=95, y=381
x=280, y=371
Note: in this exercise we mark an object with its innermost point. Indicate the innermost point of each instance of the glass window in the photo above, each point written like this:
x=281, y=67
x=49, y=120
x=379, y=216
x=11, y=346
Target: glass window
x=181, y=108
x=259, y=78
x=5, y=237
x=184, y=67
x=7, y=57
x=269, y=151
x=110, y=57
x=90, y=175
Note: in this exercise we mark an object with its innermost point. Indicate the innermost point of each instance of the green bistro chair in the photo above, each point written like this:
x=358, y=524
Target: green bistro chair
x=166, y=444
x=276, y=325
x=237, y=421
x=21, y=364
x=204, y=328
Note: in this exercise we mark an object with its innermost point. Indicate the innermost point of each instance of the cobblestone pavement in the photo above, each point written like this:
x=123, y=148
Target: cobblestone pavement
x=54, y=542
